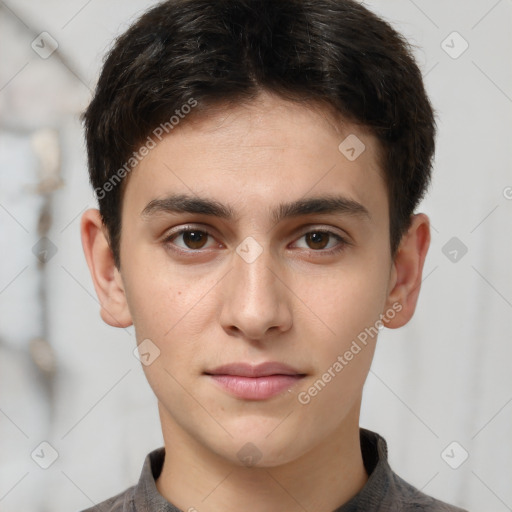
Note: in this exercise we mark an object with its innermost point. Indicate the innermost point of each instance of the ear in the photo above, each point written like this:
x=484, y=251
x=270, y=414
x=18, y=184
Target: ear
x=106, y=277
x=407, y=270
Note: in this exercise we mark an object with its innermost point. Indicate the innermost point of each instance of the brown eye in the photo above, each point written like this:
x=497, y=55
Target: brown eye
x=322, y=242
x=189, y=239
x=195, y=239
x=317, y=239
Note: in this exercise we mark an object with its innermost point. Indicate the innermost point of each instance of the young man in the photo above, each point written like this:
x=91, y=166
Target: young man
x=257, y=165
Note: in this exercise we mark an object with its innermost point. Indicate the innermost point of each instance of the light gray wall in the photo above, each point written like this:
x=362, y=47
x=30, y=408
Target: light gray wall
x=71, y=381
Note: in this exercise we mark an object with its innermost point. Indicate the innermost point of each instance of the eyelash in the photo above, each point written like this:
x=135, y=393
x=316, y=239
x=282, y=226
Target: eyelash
x=342, y=242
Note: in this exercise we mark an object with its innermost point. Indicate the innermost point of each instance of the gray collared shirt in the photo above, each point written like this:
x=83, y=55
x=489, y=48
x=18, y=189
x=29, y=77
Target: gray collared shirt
x=384, y=491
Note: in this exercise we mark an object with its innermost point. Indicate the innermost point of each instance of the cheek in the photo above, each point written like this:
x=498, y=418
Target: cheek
x=169, y=309
x=342, y=357
x=347, y=302
x=158, y=295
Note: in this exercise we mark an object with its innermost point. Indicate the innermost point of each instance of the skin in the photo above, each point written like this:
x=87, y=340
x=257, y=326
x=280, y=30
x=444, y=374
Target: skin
x=296, y=303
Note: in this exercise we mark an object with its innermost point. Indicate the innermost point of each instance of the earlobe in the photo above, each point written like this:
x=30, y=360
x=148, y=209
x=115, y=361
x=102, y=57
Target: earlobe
x=407, y=270
x=106, y=277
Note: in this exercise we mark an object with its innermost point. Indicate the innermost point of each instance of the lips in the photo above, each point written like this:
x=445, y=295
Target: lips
x=255, y=382
x=260, y=370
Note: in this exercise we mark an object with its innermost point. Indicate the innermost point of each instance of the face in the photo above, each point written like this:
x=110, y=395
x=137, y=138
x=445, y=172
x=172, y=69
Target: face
x=231, y=274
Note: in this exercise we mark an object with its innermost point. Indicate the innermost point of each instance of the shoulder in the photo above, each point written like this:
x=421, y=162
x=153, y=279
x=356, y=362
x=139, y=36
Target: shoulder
x=122, y=502
x=409, y=499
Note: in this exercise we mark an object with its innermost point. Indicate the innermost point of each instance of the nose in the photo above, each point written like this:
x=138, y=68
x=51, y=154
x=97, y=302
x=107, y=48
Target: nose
x=256, y=300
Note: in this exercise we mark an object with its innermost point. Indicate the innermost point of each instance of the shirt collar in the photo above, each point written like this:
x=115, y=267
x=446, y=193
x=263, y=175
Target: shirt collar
x=146, y=496
x=375, y=458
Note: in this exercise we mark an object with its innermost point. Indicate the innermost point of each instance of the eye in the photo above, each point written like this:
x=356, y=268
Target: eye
x=320, y=240
x=192, y=239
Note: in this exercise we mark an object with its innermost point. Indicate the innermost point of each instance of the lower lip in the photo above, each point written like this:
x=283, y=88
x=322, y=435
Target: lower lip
x=256, y=388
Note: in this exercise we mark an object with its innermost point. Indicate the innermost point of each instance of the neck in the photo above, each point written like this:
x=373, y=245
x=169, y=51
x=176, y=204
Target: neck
x=195, y=479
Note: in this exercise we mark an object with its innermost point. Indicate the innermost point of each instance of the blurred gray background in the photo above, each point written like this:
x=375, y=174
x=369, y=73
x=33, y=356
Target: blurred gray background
x=73, y=397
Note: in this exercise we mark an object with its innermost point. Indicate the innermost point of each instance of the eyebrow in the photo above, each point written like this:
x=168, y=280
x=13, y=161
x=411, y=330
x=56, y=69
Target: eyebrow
x=184, y=203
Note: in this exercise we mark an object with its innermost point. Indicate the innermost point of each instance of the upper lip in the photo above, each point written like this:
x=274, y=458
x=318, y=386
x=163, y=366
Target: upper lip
x=251, y=370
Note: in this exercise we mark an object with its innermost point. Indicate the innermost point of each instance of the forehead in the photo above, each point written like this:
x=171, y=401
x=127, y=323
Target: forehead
x=261, y=153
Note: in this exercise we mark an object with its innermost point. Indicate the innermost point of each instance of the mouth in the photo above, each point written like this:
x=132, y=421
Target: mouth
x=255, y=382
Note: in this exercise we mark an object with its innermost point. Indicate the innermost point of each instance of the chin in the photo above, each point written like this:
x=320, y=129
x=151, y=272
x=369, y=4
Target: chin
x=260, y=450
